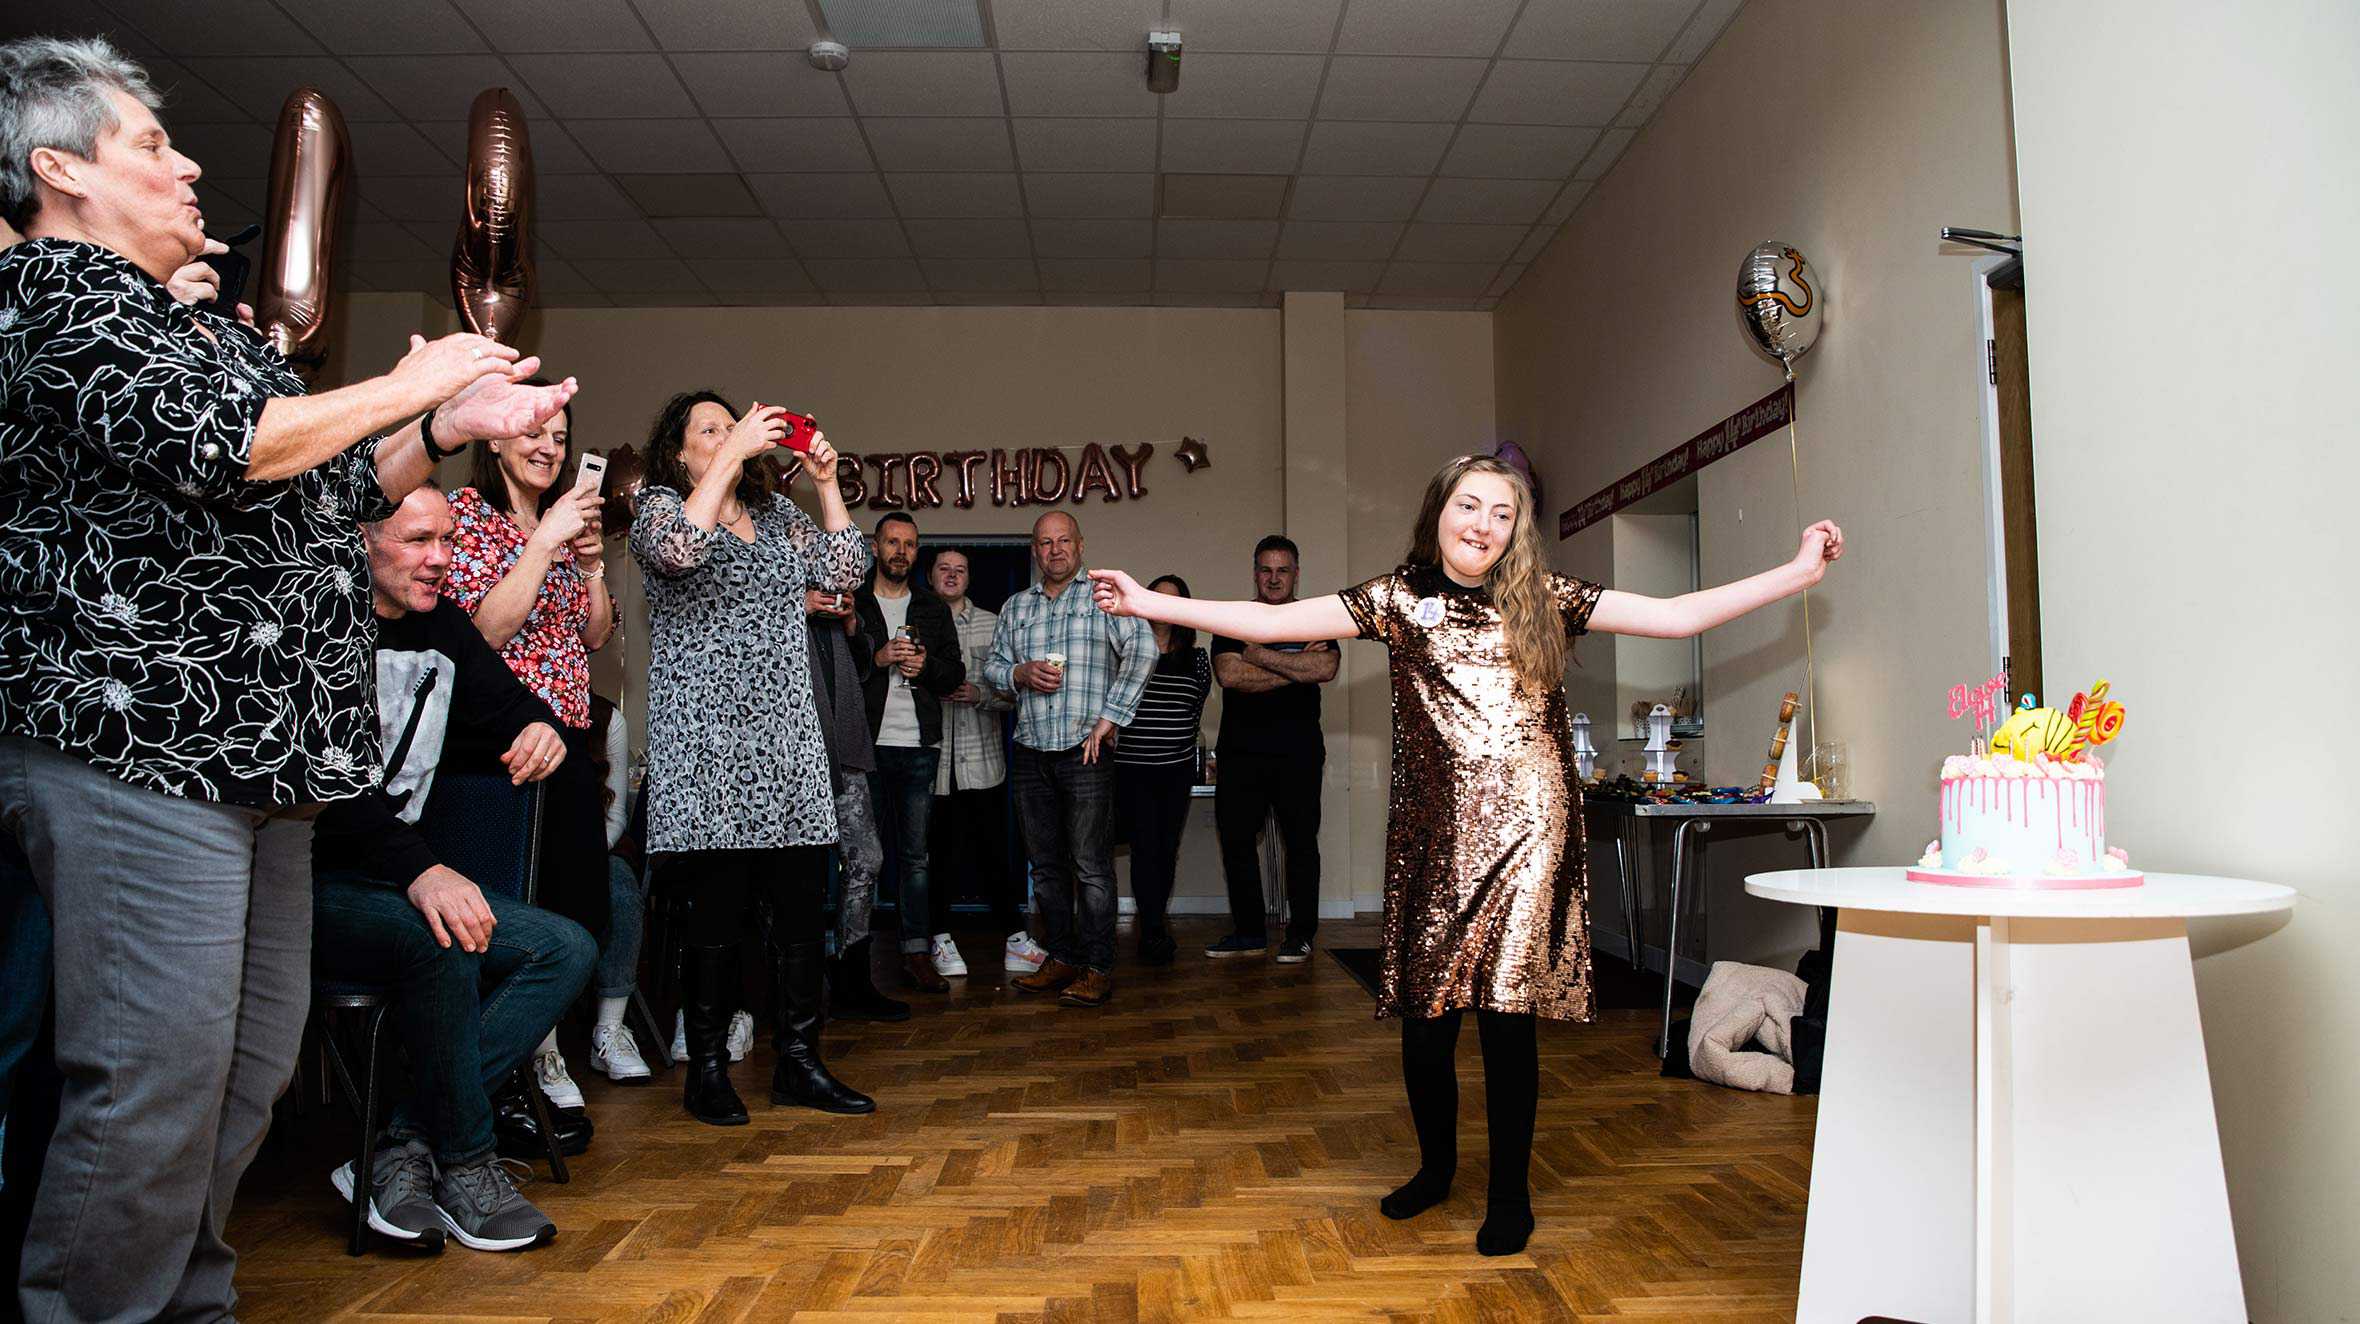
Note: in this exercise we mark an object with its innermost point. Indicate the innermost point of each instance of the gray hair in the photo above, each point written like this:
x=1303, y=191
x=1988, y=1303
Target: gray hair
x=53, y=93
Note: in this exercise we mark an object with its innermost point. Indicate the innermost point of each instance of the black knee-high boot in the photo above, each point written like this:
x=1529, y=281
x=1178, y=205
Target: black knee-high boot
x=1429, y=1071
x=1512, y=1093
x=713, y=980
x=800, y=1076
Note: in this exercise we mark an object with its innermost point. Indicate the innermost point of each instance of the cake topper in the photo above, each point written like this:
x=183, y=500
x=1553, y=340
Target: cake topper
x=1978, y=700
x=2095, y=719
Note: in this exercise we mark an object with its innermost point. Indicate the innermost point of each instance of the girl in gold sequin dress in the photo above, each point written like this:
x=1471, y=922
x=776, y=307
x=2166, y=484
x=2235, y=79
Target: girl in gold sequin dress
x=1485, y=891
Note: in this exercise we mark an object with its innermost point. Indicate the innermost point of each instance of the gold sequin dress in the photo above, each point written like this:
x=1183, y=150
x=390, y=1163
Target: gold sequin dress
x=1485, y=882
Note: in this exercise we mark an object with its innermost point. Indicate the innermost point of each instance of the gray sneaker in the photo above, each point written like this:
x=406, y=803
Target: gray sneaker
x=402, y=1204
x=479, y=1204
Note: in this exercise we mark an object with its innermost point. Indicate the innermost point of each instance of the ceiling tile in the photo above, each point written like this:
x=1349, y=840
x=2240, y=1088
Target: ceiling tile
x=1374, y=149
x=435, y=235
x=1010, y=298
x=951, y=194
x=555, y=275
x=868, y=25
x=1428, y=242
x=980, y=274
x=1504, y=281
x=1338, y=241
x=187, y=100
x=760, y=298
x=731, y=276
x=1297, y=275
x=874, y=237
x=729, y=25
x=1213, y=299
x=576, y=240
x=1093, y=239
x=1077, y=83
x=1078, y=195
x=230, y=151
x=425, y=274
x=1253, y=25
x=866, y=273
x=1201, y=276
x=970, y=239
x=773, y=146
x=760, y=84
x=1222, y=239
x=582, y=298
x=1517, y=151
x=1487, y=201
x=1534, y=243
x=673, y=298
x=371, y=241
x=690, y=195
x=1246, y=87
x=243, y=195
x=1654, y=90
x=220, y=27
x=639, y=274
x=418, y=27
x=1086, y=144
x=1702, y=30
x=1420, y=27
x=1237, y=147
x=554, y=151
x=1223, y=197
x=1462, y=279
x=558, y=25
x=260, y=84
x=1555, y=92
x=1076, y=25
x=73, y=18
x=1105, y=298
x=940, y=144
x=1423, y=304
x=1596, y=29
x=396, y=149
x=1566, y=201
x=605, y=87
x=1602, y=157
x=654, y=147
x=821, y=196
x=1097, y=274
x=1391, y=87
x=412, y=198
x=1355, y=197
x=442, y=87
x=859, y=298
x=723, y=237
x=924, y=83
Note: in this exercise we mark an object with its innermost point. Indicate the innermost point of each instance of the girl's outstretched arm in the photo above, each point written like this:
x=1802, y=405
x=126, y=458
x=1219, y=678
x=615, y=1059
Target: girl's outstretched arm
x=1118, y=594
x=1694, y=613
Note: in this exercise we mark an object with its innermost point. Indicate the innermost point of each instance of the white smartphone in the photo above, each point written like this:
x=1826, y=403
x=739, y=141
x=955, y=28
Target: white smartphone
x=592, y=473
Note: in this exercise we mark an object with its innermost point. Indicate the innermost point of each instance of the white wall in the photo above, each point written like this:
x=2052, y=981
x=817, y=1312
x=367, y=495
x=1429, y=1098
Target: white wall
x=2188, y=173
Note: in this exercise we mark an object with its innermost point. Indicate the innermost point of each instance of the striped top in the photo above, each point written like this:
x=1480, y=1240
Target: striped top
x=1170, y=711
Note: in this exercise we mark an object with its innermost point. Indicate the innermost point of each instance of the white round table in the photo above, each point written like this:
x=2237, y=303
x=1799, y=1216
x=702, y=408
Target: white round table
x=2015, y=1120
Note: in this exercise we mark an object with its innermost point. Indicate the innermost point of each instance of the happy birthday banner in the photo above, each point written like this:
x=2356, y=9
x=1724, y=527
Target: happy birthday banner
x=1025, y=476
x=1723, y=439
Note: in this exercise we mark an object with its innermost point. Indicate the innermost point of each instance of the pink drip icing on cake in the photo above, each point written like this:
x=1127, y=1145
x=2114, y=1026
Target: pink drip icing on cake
x=2037, y=824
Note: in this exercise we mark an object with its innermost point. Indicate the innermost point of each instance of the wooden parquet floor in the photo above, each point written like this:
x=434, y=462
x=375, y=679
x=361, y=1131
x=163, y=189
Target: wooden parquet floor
x=1211, y=1146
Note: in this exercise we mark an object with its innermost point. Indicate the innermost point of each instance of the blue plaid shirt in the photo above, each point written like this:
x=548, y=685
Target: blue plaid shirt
x=1107, y=662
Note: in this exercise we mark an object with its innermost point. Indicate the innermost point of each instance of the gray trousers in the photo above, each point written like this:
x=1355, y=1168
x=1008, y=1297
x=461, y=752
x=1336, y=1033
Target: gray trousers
x=860, y=859
x=183, y=944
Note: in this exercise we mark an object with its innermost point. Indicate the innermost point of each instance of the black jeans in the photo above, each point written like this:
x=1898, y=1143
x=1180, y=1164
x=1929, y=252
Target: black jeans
x=1153, y=802
x=1066, y=808
x=1252, y=786
x=970, y=830
x=902, y=788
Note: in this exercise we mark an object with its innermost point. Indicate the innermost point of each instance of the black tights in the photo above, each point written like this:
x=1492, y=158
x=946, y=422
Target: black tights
x=713, y=889
x=1511, y=1078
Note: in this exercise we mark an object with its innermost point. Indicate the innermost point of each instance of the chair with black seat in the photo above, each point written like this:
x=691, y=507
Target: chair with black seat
x=490, y=831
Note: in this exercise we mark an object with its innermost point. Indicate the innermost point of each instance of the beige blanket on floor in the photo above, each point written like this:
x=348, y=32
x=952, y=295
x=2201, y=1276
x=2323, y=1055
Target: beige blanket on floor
x=1739, y=1005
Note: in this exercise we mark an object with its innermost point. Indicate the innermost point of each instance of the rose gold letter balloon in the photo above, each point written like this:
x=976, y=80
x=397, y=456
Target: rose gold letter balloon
x=492, y=260
x=307, y=163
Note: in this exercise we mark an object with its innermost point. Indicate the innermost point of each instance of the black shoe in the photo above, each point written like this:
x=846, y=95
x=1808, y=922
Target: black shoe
x=1234, y=945
x=801, y=1078
x=1157, y=948
x=713, y=984
x=1294, y=951
x=853, y=993
x=516, y=1133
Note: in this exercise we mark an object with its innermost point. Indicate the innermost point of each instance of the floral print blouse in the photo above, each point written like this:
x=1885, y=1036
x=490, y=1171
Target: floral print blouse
x=547, y=652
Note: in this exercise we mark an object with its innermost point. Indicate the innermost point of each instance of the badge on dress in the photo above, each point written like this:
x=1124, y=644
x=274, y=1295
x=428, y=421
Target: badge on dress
x=1429, y=612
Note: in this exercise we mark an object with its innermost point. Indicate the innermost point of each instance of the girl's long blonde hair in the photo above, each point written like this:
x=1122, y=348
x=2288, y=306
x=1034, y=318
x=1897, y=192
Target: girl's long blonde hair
x=1519, y=580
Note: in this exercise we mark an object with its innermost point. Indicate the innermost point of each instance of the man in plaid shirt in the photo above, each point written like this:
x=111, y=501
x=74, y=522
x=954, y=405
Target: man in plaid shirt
x=1077, y=674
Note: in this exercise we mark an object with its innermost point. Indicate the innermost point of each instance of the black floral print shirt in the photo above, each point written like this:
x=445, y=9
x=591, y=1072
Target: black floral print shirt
x=178, y=626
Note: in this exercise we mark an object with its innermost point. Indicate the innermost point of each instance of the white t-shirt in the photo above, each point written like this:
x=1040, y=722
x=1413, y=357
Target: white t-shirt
x=899, y=727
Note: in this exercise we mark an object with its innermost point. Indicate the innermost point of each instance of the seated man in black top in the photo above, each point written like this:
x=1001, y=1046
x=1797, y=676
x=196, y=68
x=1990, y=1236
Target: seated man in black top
x=1272, y=756
x=477, y=979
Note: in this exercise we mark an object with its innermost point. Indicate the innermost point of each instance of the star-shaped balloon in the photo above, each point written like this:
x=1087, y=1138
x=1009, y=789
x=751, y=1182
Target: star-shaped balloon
x=1192, y=454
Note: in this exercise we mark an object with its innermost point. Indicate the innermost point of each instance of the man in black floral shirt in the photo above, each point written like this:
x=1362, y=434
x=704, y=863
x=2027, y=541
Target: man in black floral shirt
x=184, y=669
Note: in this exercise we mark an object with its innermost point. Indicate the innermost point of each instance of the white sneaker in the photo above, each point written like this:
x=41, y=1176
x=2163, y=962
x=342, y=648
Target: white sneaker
x=679, y=1037
x=947, y=961
x=741, y=1035
x=615, y=1052
x=549, y=1066
x=1024, y=956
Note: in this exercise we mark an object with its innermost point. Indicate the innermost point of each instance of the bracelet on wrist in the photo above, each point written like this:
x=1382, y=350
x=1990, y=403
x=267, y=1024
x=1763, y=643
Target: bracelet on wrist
x=426, y=435
x=595, y=574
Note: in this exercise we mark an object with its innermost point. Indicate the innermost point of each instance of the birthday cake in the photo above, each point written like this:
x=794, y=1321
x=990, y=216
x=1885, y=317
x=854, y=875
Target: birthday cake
x=2027, y=809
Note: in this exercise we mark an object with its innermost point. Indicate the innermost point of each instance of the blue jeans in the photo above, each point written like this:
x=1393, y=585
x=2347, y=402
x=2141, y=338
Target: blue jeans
x=467, y=1018
x=1066, y=809
x=626, y=923
x=903, y=789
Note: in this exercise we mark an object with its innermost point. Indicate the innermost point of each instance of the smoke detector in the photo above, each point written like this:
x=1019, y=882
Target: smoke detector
x=1163, y=61
x=829, y=55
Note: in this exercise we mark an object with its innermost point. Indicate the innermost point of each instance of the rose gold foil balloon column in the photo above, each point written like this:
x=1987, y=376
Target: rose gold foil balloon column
x=492, y=259
x=308, y=160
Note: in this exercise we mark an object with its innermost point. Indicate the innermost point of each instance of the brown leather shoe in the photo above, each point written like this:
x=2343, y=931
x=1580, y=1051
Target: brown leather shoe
x=923, y=976
x=1052, y=976
x=1093, y=989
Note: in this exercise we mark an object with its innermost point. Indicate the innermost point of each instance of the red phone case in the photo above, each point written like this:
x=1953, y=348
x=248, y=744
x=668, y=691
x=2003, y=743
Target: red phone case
x=800, y=430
